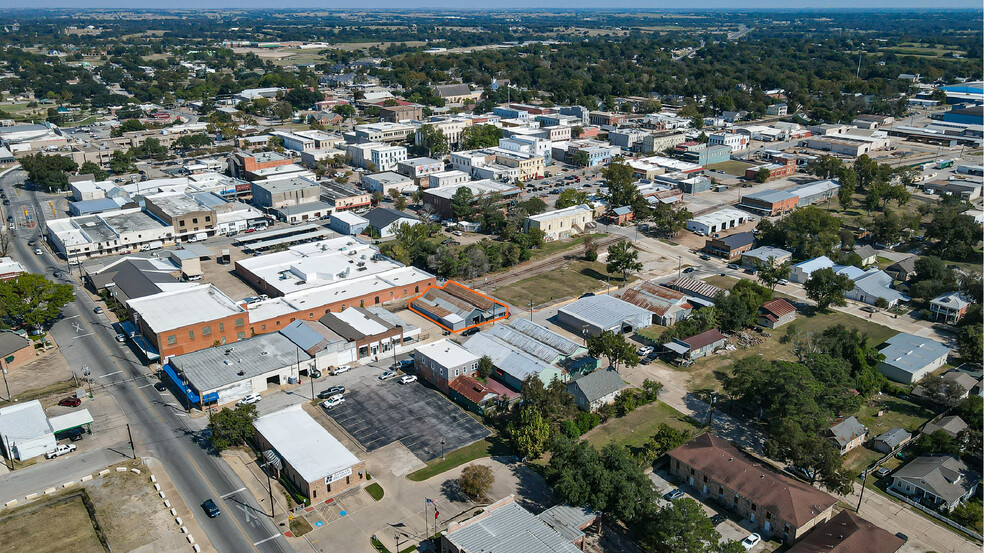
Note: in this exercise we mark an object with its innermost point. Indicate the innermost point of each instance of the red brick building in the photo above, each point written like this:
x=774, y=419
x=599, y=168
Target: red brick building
x=241, y=163
x=785, y=168
x=15, y=350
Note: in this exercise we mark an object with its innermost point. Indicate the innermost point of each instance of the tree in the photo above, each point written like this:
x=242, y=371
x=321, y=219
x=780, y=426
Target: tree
x=621, y=185
x=682, y=527
x=571, y=197
x=970, y=340
x=433, y=141
x=480, y=136
x=400, y=203
x=825, y=167
x=377, y=197
x=828, y=288
x=49, y=172
x=954, y=233
x=302, y=98
x=623, y=258
x=90, y=168
x=614, y=348
x=669, y=220
x=947, y=393
x=808, y=232
x=461, y=203
x=476, y=481
x=848, y=186
x=581, y=158
x=232, y=427
x=32, y=301
x=576, y=131
x=485, y=367
x=771, y=273
x=531, y=433
x=283, y=111
x=345, y=110
x=762, y=175
x=533, y=206
x=665, y=439
x=5, y=239
x=121, y=162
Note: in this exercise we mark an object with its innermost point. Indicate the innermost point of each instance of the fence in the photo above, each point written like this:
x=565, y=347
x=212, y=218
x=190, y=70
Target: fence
x=935, y=514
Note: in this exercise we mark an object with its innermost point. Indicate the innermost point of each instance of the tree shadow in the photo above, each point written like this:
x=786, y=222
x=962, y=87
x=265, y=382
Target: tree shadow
x=532, y=491
x=451, y=490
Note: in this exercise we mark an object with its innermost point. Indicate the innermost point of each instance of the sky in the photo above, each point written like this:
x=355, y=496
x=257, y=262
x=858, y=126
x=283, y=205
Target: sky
x=497, y=5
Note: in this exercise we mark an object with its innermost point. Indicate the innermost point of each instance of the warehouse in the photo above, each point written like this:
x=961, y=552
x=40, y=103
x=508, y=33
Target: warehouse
x=345, y=222
x=815, y=192
x=593, y=315
x=717, y=221
x=309, y=456
x=455, y=307
x=770, y=202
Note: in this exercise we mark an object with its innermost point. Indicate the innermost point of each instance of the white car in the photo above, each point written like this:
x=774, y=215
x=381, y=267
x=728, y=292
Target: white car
x=342, y=369
x=783, y=281
x=62, y=449
x=644, y=350
x=332, y=402
x=37, y=251
x=407, y=379
x=250, y=399
x=751, y=541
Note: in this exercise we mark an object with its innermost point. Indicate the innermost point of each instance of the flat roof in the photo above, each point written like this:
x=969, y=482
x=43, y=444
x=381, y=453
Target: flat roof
x=387, y=177
x=213, y=368
x=603, y=311
x=349, y=217
x=199, y=304
x=720, y=216
x=478, y=188
x=304, y=444
x=447, y=353
x=558, y=213
x=285, y=185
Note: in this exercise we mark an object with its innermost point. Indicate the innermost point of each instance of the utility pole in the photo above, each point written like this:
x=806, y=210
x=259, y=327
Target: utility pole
x=864, y=478
x=531, y=310
x=133, y=450
x=9, y=397
x=679, y=266
x=10, y=453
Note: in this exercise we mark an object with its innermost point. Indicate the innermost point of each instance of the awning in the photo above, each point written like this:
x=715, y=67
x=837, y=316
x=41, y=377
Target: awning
x=678, y=348
x=69, y=421
x=145, y=347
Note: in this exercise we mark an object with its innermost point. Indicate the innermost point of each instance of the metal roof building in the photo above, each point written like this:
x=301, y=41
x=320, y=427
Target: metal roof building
x=505, y=527
x=908, y=358
x=595, y=314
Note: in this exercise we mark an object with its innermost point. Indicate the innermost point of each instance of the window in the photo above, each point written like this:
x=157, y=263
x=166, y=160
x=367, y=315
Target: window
x=206, y=330
x=221, y=327
x=181, y=223
x=194, y=220
x=691, y=471
x=191, y=334
x=239, y=322
x=208, y=218
x=705, y=478
x=240, y=335
x=172, y=339
x=751, y=506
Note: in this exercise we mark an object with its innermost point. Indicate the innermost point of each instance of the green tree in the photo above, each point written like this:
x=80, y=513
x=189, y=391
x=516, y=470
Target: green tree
x=954, y=234
x=32, y=301
x=533, y=206
x=345, y=110
x=571, y=197
x=614, y=347
x=762, y=175
x=848, y=186
x=283, y=111
x=669, y=220
x=621, y=185
x=90, y=168
x=121, y=162
x=581, y=158
x=485, y=367
x=828, y=288
x=232, y=427
x=461, y=204
x=665, y=439
x=771, y=272
x=433, y=141
x=970, y=340
x=825, y=167
x=623, y=258
x=480, y=136
x=49, y=172
x=530, y=435
x=476, y=481
x=682, y=528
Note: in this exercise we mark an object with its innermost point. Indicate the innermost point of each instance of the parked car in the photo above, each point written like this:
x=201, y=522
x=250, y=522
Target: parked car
x=70, y=402
x=751, y=541
x=673, y=495
x=705, y=257
x=901, y=536
x=718, y=519
x=882, y=472
x=341, y=369
x=121, y=338
x=98, y=310
x=869, y=309
x=249, y=399
x=689, y=270
x=210, y=508
x=37, y=251
x=75, y=434
x=160, y=386
x=749, y=271
x=456, y=232
x=387, y=375
x=644, y=350
x=329, y=392
x=314, y=373
x=332, y=402
x=732, y=265
x=408, y=378
x=62, y=449
x=404, y=363
x=783, y=281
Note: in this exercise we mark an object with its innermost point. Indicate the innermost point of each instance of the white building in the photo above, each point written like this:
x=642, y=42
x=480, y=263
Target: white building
x=388, y=157
x=107, y=233
x=718, y=221
x=737, y=141
x=561, y=223
x=386, y=181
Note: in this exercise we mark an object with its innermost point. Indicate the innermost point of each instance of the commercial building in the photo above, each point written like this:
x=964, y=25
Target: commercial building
x=730, y=247
x=505, y=527
x=937, y=481
x=447, y=178
x=328, y=348
x=10, y=269
x=606, y=118
x=697, y=291
x=777, y=506
x=312, y=459
x=596, y=389
x=770, y=203
x=593, y=315
x=443, y=361
x=343, y=197
x=846, y=532
x=661, y=141
x=224, y=374
x=107, y=233
x=702, y=154
x=384, y=132
x=457, y=93
x=763, y=256
x=736, y=141
x=668, y=306
x=26, y=431
x=186, y=216
x=401, y=112
x=456, y=307
x=384, y=222
x=440, y=198
x=373, y=331
x=384, y=182
x=344, y=222
x=419, y=169
x=561, y=223
x=245, y=166
x=717, y=221
x=776, y=170
x=275, y=194
x=908, y=358
x=814, y=192
x=312, y=211
x=967, y=190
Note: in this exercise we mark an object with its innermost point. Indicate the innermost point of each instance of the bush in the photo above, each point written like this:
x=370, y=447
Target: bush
x=881, y=303
x=586, y=421
x=591, y=255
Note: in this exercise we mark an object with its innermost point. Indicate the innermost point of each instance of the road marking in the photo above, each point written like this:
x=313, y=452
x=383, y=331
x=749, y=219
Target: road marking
x=77, y=327
x=232, y=493
x=145, y=385
x=273, y=537
x=110, y=374
x=247, y=516
x=83, y=336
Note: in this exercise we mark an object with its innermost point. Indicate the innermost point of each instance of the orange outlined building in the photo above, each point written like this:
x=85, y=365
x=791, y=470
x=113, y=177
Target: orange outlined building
x=455, y=307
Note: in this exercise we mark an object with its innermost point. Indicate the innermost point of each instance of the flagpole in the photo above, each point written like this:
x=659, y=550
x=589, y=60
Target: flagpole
x=426, y=523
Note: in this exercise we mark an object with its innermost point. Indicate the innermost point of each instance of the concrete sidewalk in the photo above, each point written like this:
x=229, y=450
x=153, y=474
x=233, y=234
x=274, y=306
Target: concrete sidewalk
x=44, y=474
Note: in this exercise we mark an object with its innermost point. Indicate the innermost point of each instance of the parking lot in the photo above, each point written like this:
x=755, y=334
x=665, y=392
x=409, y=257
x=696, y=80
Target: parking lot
x=377, y=413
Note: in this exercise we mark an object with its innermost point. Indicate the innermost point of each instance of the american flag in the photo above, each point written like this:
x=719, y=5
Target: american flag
x=429, y=501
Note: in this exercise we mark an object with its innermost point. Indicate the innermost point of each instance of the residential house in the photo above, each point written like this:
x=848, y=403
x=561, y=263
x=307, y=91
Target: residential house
x=777, y=506
x=908, y=358
x=443, y=361
x=868, y=255
x=596, y=389
x=903, y=270
x=800, y=273
x=891, y=439
x=763, y=256
x=776, y=313
x=938, y=481
x=15, y=351
x=875, y=284
x=667, y=305
x=847, y=434
x=952, y=425
x=384, y=221
x=846, y=532
x=949, y=307
x=470, y=393
x=730, y=247
x=561, y=223
x=697, y=346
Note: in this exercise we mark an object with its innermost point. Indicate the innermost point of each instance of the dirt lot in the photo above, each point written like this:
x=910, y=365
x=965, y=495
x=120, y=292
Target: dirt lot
x=58, y=525
x=47, y=376
x=131, y=515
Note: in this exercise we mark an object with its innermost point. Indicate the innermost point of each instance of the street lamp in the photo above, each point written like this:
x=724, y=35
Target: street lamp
x=442, y=449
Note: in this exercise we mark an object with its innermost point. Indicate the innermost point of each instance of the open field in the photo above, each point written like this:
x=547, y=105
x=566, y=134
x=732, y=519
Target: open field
x=60, y=524
x=570, y=280
x=634, y=429
x=736, y=168
x=574, y=244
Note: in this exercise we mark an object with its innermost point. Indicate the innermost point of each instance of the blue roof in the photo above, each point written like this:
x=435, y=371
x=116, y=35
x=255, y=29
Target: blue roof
x=94, y=206
x=851, y=271
x=815, y=264
x=624, y=210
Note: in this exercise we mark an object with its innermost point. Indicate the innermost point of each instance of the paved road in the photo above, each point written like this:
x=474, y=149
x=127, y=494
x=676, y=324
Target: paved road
x=72, y=467
x=160, y=429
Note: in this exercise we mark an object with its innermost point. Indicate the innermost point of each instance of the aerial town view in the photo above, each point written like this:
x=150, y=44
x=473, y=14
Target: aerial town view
x=347, y=278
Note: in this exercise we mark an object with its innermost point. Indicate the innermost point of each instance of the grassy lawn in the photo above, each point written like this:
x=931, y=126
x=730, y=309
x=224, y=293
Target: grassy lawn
x=721, y=281
x=634, y=429
x=375, y=491
x=883, y=262
x=58, y=525
x=651, y=332
x=300, y=526
x=50, y=392
x=896, y=413
x=570, y=280
x=557, y=246
x=483, y=448
x=736, y=168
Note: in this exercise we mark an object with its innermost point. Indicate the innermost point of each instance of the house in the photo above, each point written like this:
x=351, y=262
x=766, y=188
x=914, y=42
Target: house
x=505, y=527
x=730, y=247
x=621, y=215
x=15, y=351
x=764, y=256
x=443, y=361
x=952, y=425
x=717, y=221
x=779, y=110
x=846, y=532
x=949, y=307
x=847, y=434
x=908, y=358
x=779, y=507
x=312, y=459
x=903, y=270
x=27, y=432
x=384, y=221
x=770, y=203
x=596, y=389
x=937, y=481
x=667, y=305
x=697, y=346
x=891, y=439
x=868, y=255
x=561, y=223
x=776, y=313
x=593, y=315
x=872, y=285
x=470, y=393
x=455, y=307
x=346, y=222
x=800, y=273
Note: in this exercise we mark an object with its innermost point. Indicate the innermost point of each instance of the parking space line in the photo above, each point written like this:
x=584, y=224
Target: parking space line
x=273, y=537
x=232, y=493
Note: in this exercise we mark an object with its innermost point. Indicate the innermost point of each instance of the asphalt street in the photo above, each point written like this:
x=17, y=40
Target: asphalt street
x=160, y=427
